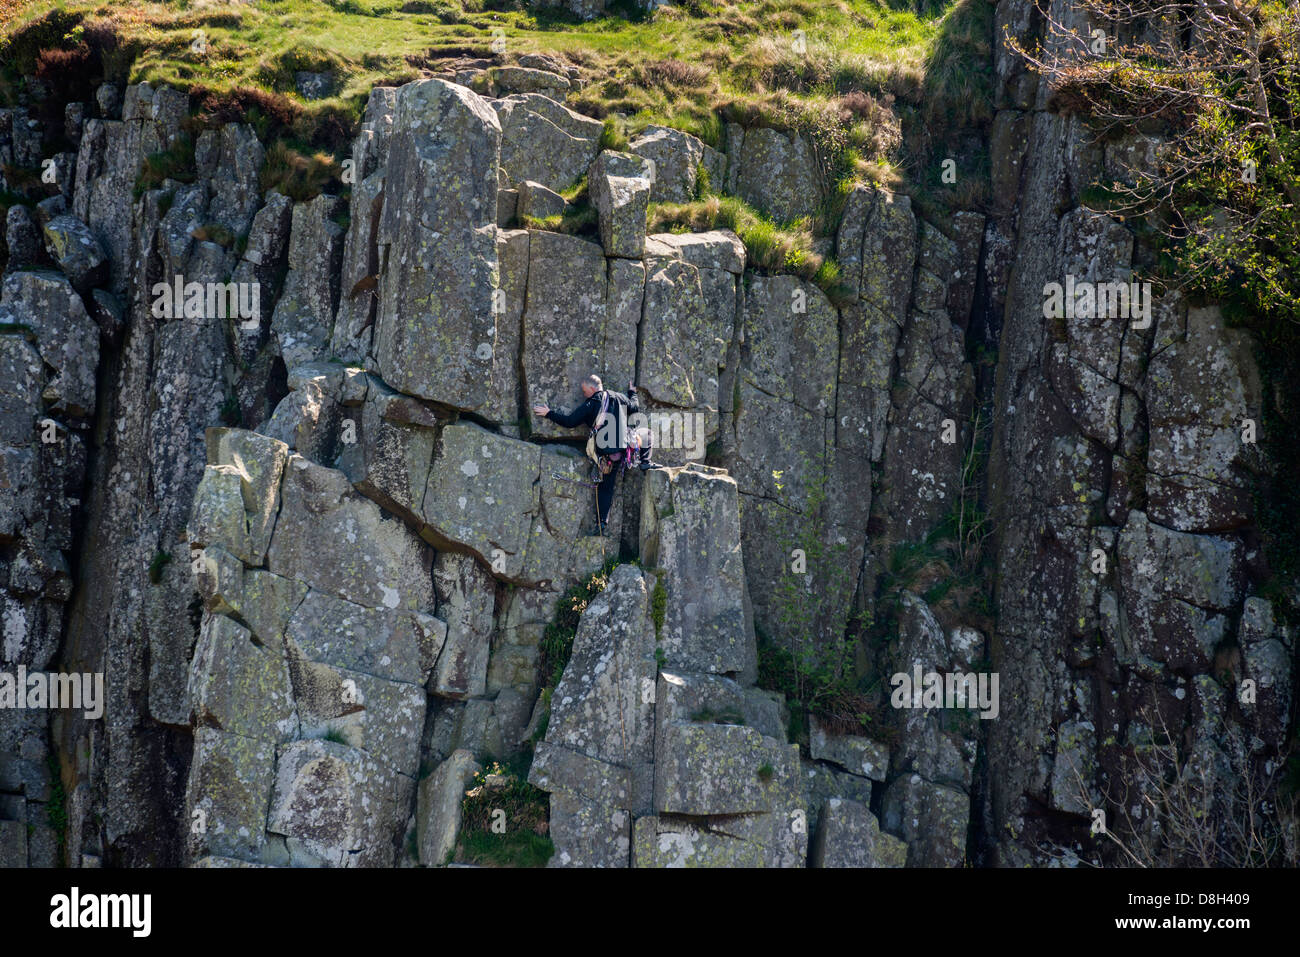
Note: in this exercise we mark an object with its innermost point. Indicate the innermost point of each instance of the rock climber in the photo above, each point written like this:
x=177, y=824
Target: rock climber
x=610, y=444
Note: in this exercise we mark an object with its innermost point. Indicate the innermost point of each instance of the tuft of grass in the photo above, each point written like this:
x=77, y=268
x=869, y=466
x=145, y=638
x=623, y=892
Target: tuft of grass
x=658, y=609
x=769, y=247
x=557, y=639
x=157, y=564
x=505, y=825
x=296, y=175
x=175, y=162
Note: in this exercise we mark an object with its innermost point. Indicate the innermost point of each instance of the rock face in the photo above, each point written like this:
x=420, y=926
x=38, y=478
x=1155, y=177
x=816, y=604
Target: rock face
x=435, y=327
x=337, y=541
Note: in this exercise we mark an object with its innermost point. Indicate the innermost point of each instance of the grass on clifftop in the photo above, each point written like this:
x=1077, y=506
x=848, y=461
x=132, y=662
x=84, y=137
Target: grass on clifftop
x=853, y=75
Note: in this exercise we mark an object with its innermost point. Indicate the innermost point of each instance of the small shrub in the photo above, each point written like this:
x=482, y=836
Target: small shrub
x=157, y=564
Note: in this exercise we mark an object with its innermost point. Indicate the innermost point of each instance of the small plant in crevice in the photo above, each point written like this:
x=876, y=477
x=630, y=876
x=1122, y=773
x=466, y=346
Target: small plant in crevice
x=231, y=414
x=157, y=564
x=504, y=819
x=658, y=610
x=557, y=639
x=175, y=162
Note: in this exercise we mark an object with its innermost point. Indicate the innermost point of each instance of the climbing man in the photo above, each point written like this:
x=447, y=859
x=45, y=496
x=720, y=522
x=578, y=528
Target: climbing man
x=605, y=413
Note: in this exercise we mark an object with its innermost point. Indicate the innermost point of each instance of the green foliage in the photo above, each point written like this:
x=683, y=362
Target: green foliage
x=175, y=162
x=658, y=606
x=557, y=639
x=769, y=247
x=612, y=136
x=765, y=772
x=334, y=735
x=156, y=565
x=231, y=414
x=502, y=798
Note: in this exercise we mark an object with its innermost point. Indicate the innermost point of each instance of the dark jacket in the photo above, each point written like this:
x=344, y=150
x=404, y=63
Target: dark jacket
x=586, y=414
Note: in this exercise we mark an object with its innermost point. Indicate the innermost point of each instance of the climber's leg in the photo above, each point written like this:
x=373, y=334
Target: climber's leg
x=605, y=497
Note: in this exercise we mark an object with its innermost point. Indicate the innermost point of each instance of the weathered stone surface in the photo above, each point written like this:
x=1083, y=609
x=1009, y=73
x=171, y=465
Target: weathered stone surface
x=335, y=806
x=231, y=159
x=465, y=602
x=229, y=786
x=1178, y=590
x=237, y=687
x=1202, y=383
x=259, y=462
x=504, y=403
x=381, y=717
x=481, y=489
x=389, y=456
x=620, y=190
x=678, y=159
x=600, y=707
x=22, y=239
x=438, y=812
x=850, y=836
x=304, y=314
x=74, y=247
x=589, y=833
x=777, y=172
x=566, y=326
x=712, y=769
x=672, y=843
x=65, y=335
x=308, y=421
x=689, y=321
x=544, y=141
x=400, y=646
x=435, y=327
x=932, y=820
x=336, y=541
x=519, y=79
x=853, y=753
x=537, y=201
x=690, y=534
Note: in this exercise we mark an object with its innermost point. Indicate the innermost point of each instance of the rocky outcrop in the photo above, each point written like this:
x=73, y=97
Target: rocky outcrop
x=335, y=537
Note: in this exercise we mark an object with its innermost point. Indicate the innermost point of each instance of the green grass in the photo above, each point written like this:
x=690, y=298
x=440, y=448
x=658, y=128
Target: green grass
x=769, y=247
x=557, y=639
x=694, y=66
x=505, y=826
x=658, y=609
x=175, y=162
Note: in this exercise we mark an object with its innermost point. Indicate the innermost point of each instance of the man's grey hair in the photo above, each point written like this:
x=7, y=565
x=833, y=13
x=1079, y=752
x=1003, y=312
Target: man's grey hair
x=593, y=381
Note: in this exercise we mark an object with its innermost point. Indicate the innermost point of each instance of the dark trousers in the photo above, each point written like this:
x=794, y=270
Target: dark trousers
x=605, y=496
